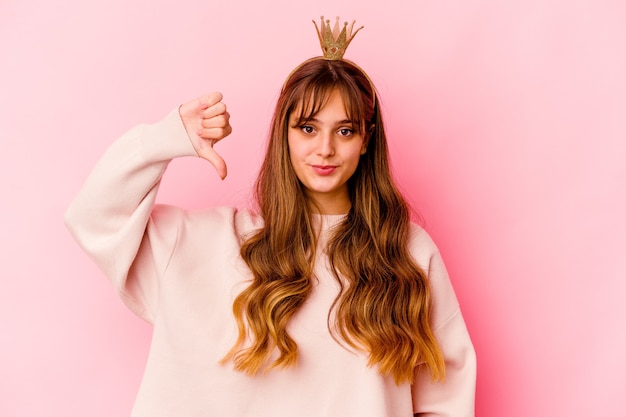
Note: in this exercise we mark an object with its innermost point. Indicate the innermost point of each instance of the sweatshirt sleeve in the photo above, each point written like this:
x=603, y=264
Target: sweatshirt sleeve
x=454, y=396
x=108, y=217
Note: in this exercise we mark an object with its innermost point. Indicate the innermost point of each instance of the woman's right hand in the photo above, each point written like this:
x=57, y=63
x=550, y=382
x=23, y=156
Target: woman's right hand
x=207, y=122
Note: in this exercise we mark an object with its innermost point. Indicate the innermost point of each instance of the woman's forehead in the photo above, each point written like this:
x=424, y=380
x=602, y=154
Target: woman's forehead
x=314, y=100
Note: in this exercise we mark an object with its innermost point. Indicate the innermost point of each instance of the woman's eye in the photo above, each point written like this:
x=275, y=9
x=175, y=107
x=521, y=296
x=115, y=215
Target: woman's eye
x=307, y=129
x=346, y=131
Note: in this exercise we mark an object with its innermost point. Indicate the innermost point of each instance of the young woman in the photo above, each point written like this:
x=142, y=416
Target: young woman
x=323, y=301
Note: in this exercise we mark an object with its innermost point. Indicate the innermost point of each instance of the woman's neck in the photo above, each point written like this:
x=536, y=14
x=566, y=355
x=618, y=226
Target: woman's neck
x=330, y=205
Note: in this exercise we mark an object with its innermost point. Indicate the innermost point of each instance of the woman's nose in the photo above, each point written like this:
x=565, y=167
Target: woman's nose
x=325, y=146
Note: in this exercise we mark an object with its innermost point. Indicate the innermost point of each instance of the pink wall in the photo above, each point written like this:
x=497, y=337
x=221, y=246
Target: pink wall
x=508, y=127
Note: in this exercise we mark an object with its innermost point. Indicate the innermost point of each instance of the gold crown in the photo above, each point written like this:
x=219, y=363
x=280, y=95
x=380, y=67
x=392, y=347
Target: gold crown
x=334, y=42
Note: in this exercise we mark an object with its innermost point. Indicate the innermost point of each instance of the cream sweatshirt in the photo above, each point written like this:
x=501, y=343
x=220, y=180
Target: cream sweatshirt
x=180, y=271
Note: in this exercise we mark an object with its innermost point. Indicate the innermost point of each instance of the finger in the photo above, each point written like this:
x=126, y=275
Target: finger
x=209, y=100
x=214, y=110
x=216, y=121
x=216, y=160
x=215, y=134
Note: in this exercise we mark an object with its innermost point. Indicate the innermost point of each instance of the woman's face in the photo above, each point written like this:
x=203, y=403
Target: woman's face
x=325, y=152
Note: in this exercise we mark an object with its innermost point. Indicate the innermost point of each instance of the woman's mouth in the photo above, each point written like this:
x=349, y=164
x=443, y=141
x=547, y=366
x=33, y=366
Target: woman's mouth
x=324, y=169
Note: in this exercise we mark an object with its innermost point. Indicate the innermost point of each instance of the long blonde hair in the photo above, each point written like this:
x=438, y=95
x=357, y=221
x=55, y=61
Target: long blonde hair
x=383, y=307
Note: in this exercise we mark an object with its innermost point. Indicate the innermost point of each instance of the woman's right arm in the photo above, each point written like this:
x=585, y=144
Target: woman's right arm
x=109, y=216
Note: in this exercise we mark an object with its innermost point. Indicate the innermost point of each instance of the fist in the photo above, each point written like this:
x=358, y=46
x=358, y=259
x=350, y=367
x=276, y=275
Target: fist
x=207, y=121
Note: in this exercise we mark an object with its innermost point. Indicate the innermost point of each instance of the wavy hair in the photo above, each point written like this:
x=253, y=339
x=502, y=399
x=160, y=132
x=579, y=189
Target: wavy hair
x=383, y=307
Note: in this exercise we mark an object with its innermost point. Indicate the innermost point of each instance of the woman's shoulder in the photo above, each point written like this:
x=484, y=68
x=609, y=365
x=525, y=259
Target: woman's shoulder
x=420, y=244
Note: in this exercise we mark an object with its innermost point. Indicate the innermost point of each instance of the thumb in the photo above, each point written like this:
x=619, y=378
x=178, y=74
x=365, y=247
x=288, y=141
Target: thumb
x=214, y=159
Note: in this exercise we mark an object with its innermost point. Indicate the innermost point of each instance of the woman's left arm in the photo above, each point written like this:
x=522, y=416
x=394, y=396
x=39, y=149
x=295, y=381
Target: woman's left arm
x=455, y=395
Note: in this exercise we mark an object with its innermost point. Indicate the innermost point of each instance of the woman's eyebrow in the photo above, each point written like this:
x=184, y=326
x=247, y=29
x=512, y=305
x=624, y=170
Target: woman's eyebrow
x=314, y=120
x=338, y=122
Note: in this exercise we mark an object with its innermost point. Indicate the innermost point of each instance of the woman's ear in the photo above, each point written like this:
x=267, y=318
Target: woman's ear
x=366, y=138
x=364, y=146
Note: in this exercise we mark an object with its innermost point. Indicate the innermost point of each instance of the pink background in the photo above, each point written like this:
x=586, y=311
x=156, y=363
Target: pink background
x=508, y=134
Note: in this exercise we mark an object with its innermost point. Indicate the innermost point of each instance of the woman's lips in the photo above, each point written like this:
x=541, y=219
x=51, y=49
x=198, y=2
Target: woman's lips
x=324, y=169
